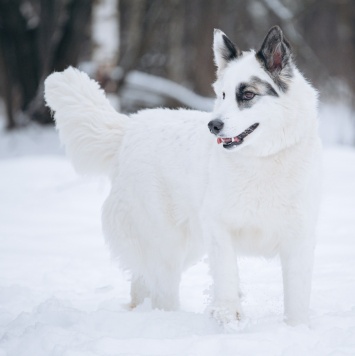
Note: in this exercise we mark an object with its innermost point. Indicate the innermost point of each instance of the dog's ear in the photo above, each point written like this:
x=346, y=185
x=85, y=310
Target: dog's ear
x=275, y=53
x=224, y=50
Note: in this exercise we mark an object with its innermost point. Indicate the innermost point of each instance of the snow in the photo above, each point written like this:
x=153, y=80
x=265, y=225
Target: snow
x=105, y=32
x=338, y=124
x=152, y=85
x=61, y=295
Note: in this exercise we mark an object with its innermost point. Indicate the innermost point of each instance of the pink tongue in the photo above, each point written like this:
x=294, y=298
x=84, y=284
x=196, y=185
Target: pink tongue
x=227, y=140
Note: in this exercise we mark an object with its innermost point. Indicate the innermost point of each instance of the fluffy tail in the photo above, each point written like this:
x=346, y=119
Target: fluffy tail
x=88, y=125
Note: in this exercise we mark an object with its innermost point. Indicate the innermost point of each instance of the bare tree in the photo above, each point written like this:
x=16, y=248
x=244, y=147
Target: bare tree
x=173, y=39
x=37, y=37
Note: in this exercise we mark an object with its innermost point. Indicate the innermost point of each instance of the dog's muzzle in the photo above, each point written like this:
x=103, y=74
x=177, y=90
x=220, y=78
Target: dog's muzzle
x=237, y=140
x=215, y=126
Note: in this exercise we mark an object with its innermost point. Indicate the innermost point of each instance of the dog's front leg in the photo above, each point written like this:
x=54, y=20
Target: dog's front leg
x=297, y=265
x=226, y=304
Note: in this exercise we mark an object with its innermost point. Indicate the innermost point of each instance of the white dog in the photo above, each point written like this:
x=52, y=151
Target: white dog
x=253, y=188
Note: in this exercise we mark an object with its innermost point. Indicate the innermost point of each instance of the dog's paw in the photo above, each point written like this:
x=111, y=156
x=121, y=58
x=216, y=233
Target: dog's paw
x=225, y=314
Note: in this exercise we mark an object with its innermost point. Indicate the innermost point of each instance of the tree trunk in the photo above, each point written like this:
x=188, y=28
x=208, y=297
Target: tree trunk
x=36, y=38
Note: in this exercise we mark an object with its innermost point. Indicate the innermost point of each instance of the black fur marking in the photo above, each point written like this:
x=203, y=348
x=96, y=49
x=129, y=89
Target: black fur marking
x=241, y=136
x=231, y=51
x=245, y=104
x=275, y=55
x=268, y=88
x=257, y=86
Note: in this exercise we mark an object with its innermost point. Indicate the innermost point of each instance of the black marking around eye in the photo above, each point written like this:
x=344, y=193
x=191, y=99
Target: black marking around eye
x=267, y=87
x=243, y=104
x=257, y=86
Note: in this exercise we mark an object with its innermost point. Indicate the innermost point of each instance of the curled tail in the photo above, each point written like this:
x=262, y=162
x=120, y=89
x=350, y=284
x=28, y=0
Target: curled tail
x=89, y=127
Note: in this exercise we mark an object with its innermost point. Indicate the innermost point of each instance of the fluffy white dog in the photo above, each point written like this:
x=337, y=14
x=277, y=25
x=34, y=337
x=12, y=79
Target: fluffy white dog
x=250, y=188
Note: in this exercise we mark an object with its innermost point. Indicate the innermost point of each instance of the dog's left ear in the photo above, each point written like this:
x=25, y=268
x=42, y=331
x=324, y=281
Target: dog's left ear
x=275, y=52
x=224, y=50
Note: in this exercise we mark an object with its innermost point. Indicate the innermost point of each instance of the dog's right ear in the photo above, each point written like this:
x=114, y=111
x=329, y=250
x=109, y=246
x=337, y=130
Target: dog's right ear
x=224, y=50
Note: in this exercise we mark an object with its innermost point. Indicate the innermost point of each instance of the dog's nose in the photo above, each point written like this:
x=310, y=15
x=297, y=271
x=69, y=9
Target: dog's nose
x=215, y=126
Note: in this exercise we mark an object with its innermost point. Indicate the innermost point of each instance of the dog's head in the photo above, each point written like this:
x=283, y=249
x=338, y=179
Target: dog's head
x=262, y=99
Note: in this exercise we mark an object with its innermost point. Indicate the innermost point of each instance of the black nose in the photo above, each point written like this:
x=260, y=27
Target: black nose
x=215, y=126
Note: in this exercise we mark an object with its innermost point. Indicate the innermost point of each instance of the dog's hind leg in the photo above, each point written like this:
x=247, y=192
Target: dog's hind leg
x=165, y=289
x=139, y=291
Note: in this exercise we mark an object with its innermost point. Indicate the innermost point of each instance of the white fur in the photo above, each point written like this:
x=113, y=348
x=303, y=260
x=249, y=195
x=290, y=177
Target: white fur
x=218, y=45
x=175, y=192
x=89, y=127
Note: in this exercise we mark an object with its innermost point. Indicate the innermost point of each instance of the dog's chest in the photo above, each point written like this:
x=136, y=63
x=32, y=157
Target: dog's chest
x=257, y=193
x=257, y=204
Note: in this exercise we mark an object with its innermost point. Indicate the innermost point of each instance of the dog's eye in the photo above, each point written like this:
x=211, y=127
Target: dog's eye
x=223, y=95
x=248, y=95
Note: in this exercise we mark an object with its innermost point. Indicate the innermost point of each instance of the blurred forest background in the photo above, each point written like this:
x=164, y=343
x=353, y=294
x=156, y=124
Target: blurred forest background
x=158, y=52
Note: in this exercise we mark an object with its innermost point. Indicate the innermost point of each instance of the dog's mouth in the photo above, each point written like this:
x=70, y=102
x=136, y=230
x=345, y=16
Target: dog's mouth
x=229, y=142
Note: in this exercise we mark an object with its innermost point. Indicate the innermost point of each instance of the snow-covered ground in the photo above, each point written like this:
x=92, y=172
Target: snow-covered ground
x=61, y=295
